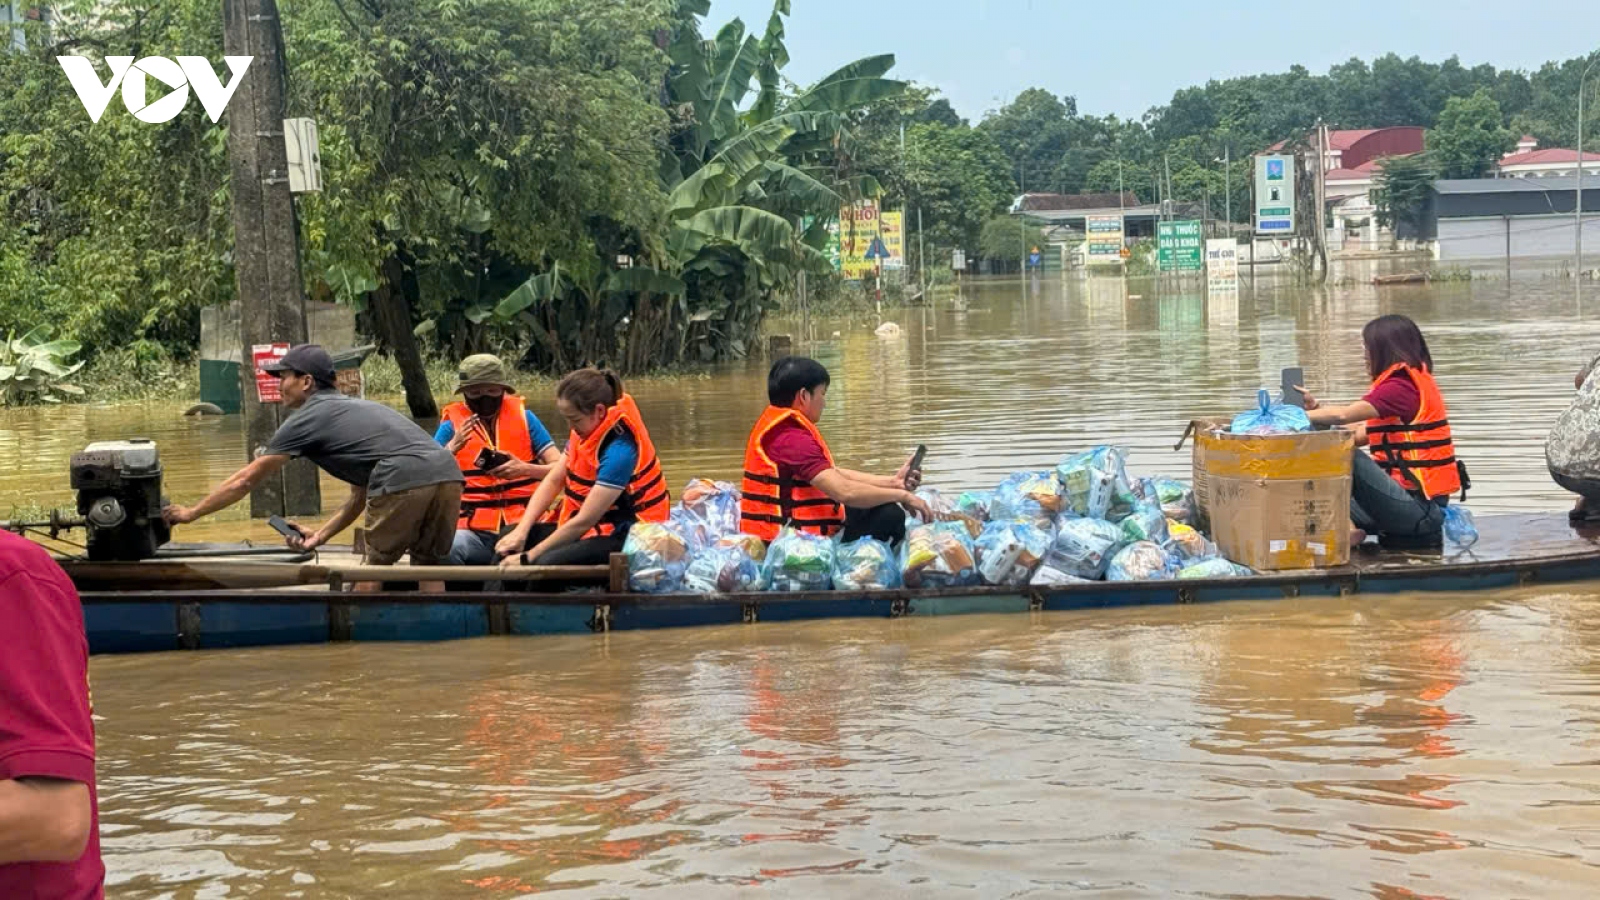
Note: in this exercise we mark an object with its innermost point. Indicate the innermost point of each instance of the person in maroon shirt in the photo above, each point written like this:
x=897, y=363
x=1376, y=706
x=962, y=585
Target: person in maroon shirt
x=49, y=820
x=875, y=505
x=1378, y=504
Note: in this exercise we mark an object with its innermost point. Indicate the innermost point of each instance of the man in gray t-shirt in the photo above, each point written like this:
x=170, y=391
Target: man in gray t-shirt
x=408, y=486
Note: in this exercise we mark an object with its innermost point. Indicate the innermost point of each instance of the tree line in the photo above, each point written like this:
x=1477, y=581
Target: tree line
x=569, y=181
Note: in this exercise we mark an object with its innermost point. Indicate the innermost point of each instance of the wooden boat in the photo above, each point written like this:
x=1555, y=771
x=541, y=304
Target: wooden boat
x=200, y=603
x=1400, y=278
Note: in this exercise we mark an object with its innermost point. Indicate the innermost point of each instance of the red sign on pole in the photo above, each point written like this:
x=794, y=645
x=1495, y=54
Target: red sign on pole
x=266, y=382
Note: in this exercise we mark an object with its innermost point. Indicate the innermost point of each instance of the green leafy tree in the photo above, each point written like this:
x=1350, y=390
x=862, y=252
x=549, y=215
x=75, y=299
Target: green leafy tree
x=1404, y=184
x=467, y=146
x=1007, y=239
x=959, y=177
x=1034, y=132
x=1470, y=137
x=753, y=175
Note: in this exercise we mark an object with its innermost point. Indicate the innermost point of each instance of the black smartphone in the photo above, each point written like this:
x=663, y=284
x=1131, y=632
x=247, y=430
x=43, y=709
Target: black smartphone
x=488, y=459
x=916, y=458
x=282, y=526
x=1292, y=378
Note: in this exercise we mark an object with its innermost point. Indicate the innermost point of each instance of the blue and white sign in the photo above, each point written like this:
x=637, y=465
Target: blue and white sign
x=1275, y=194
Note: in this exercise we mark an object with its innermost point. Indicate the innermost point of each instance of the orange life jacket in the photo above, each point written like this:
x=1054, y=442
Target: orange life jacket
x=488, y=503
x=1419, y=455
x=769, y=501
x=645, y=499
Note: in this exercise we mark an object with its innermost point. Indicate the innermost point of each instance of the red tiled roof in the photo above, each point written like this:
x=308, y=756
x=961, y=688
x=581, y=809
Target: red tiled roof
x=1360, y=173
x=1547, y=156
x=1337, y=140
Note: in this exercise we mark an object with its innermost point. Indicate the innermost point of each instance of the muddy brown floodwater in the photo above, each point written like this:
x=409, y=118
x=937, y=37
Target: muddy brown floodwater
x=1399, y=747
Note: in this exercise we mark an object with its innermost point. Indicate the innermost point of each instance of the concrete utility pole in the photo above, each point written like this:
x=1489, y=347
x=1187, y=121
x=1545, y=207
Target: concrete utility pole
x=1577, y=205
x=266, y=257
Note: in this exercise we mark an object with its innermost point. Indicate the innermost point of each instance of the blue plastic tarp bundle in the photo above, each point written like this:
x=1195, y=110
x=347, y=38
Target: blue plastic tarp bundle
x=658, y=555
x=1270, y=418
x=797, y=561
x=867, y=564
x=1009, y=552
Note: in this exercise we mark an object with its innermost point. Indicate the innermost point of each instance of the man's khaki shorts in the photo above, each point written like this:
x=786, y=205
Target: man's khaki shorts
x=420, y=521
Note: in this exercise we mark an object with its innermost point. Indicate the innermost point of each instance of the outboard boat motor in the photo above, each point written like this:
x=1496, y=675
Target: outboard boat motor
x=119, y=497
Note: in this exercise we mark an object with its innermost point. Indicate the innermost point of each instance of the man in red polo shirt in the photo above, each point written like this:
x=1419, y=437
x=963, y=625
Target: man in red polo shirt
x=49, y=822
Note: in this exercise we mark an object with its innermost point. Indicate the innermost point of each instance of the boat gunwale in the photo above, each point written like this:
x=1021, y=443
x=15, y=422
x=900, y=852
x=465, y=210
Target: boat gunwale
x=1349, y=575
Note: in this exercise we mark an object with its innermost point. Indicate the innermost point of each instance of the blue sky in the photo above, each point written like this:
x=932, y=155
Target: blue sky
x=1125, y=56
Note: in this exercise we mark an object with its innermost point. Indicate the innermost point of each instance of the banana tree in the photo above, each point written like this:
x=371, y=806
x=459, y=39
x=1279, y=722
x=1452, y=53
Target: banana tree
x=33, y=368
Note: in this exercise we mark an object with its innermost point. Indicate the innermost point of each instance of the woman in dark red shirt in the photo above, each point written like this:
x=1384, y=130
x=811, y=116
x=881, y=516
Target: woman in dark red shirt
x=1400, y=490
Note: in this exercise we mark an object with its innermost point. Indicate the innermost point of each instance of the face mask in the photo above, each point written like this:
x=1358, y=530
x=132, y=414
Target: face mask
x=485, y=407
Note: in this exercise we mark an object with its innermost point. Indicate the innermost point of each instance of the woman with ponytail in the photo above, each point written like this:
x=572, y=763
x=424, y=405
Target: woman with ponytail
x=608, y=479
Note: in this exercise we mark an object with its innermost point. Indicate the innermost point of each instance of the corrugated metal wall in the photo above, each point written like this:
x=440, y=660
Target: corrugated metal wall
x=1531, y=236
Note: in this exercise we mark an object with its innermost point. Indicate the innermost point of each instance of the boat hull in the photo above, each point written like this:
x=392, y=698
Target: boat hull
x=1517, y=550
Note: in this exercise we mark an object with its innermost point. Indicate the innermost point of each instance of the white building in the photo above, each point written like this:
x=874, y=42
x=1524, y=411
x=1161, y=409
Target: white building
x=1528, y=161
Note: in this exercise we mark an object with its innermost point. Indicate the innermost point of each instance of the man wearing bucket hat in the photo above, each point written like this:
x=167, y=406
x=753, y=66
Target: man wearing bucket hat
x=503, y=450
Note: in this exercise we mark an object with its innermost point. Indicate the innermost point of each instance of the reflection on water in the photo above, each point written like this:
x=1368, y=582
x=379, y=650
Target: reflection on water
x=1403, y=747
x=1025, y=374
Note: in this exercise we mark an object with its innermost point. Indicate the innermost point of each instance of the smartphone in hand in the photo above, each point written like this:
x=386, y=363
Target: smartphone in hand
x=1293, y=379
x=282, y=526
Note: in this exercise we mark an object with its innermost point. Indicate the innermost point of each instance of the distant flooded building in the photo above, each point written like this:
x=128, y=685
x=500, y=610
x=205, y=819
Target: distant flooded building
x=1350, y=163
x=1528, y=161
x=1515, y=218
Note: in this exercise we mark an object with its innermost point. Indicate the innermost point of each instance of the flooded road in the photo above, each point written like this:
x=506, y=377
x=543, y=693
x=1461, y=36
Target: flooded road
x=1027, y=373
x=1444, y=747
x=1403, y=747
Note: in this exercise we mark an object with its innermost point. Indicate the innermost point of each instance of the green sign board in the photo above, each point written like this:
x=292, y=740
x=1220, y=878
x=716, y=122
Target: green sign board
x=1180, y=247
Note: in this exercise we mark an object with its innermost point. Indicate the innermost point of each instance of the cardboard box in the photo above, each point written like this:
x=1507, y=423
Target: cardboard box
x=1274, y=502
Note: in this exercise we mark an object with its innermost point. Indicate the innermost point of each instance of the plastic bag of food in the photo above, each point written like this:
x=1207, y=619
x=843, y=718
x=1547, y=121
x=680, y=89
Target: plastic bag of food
x=716, y=503
x=867, y=564
x=938, y=555
x=1216, y=567
x=1008, y=552
x=1049, y=576
x=1083, y=547
x=657, y=557
x=973, y=526
x=975, y=504
x=1090, y=480
x=1146, y=523
x=1188, y=544
x=694, y=529
x=753, y=546
x=1033, y=497
x=1176, y=499
x=1140, y=561
x=1270, y=418
x=935, y=500
x=797, y=561
x=1459, y=527
x=723, y=570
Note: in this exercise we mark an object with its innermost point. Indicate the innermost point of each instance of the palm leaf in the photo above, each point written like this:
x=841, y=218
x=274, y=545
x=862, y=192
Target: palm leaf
x=539, y=289
x=644, y=281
